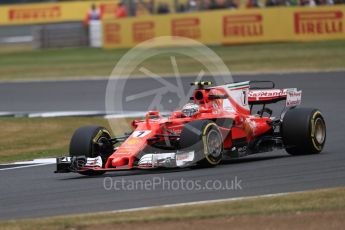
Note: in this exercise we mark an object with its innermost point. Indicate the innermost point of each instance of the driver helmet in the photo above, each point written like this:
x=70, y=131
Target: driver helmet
x=190, y=109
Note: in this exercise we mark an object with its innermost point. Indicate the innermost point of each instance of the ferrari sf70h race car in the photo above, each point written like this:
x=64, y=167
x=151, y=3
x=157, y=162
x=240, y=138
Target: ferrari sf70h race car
x=219, y=123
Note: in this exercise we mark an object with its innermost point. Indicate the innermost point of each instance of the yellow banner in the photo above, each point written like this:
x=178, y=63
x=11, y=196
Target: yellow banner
x=53, y=12
x=231, y=27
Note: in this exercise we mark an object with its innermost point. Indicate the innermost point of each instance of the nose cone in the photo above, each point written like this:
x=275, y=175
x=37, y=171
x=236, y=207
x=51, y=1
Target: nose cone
x=119, y=161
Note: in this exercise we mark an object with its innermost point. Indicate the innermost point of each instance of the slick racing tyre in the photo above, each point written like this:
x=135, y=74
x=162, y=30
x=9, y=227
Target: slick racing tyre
x=86, y=142
x=303, y=131
x=205, y=138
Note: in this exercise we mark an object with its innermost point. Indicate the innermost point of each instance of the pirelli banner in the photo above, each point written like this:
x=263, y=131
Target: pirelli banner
x=231, y=26
x=21, y=14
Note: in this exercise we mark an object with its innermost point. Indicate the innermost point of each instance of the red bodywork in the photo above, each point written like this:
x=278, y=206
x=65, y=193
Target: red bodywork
x=214, y=103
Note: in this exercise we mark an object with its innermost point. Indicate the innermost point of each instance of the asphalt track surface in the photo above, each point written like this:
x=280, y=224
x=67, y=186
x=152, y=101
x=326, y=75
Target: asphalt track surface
x=37, y=191
x=89, y=95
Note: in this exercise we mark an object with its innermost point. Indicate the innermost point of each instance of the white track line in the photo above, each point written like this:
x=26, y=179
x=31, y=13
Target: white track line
x=28, y=164
x=36, y=161
x=24, y=166
x=67, y=114
x=202, y=202
x=6, y=114
x=76, y=114
x=52, y=114
x=132, y=115
x=125, y=115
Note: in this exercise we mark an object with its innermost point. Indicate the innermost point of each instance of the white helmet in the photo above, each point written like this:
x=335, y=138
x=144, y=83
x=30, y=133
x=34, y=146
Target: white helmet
x=190, y=109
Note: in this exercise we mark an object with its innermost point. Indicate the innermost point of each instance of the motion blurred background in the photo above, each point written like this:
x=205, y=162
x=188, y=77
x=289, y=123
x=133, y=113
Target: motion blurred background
x=58, y=24
x=279, y=35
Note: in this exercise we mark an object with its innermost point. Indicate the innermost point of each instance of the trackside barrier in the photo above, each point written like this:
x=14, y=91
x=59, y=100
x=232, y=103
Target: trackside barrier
x=38, y=13
x=231, y=26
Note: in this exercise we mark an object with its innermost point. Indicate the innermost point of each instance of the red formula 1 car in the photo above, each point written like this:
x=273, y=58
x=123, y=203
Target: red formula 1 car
x=219, y=123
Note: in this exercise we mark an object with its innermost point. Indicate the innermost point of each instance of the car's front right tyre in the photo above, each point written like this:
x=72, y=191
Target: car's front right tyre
x=85, y=142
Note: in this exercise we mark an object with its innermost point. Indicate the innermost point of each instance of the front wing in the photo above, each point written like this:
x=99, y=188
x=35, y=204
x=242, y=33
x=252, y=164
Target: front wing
x=77, y=164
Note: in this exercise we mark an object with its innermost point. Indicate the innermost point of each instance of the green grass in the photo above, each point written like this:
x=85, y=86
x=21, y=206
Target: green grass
x=86, y=62
x=315, y=201
x=31, y=138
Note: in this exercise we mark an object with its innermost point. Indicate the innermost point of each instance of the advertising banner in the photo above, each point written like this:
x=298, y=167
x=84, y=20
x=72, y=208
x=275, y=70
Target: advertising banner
x=21, y=14
x=231, y=26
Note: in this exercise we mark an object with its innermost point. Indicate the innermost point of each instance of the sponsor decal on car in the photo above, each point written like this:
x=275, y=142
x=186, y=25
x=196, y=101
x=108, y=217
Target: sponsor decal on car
x=267, y=93
x=141, y=133
x=133, y=142
x=183, y=158
x=293, y=98
x=94, y=162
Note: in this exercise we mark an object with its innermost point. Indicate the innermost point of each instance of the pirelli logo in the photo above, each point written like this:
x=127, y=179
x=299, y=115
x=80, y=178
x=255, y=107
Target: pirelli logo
x=33, y=14
x=186, y=27
x=248, y=25
x=112, y=33
x=108, y=9
x=143, y=31
x=321, y=22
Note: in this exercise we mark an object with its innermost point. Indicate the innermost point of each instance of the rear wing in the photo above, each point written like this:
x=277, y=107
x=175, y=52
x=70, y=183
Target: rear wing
x=242, y=96
x=292, y=96
x=268, y=94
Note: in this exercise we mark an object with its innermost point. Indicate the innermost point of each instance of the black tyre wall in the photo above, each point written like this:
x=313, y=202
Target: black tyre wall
x=192, y=139
x=82, y=142
x=297, y=131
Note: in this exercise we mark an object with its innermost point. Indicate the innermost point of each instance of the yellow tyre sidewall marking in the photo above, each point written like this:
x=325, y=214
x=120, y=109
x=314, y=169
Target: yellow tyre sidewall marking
x=99, y=134
x=205, y=143
x=317, y=146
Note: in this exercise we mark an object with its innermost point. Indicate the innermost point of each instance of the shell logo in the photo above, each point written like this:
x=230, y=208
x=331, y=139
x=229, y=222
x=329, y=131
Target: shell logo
x=132, y=141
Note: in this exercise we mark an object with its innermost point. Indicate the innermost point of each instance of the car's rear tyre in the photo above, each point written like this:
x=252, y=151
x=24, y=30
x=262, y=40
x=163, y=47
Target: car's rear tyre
x=205, y=138
x=85, y=142
x=303, y=131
